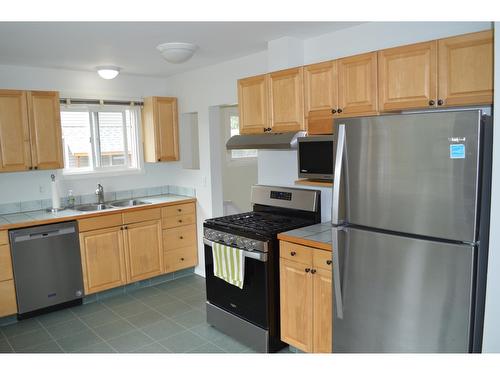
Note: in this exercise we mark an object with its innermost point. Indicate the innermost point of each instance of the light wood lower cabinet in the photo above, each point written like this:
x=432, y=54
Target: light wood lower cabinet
x=103, y=259
x=306, y=297
x=144, y=250
x=136, y=245
x=8, y=304
x=296, y=299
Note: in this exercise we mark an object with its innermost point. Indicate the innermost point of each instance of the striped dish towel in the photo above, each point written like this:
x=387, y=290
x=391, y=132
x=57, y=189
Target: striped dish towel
x=229, y=264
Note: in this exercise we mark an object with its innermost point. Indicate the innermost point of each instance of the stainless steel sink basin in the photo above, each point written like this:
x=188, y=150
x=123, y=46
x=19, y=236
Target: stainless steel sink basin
x=128, y=203
x=93, y=207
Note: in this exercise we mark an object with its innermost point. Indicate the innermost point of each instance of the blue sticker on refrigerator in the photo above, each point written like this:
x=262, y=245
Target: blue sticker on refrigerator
x=457, y=151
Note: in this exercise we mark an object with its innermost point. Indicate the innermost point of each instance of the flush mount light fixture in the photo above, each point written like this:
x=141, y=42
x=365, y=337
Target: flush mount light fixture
x=176, y=52
x=108, y=72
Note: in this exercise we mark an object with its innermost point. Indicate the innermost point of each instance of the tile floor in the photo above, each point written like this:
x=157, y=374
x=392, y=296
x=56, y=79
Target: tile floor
x=166, y=318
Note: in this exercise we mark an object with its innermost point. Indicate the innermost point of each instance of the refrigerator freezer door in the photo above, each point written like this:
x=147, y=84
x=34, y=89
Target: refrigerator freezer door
x=414, y=173
x=401, y=294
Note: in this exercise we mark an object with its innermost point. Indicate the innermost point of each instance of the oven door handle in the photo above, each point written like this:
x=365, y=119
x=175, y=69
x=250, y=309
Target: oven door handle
x=262, y=257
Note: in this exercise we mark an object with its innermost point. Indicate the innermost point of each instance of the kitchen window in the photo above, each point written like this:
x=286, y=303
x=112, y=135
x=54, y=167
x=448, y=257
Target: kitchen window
x=100, y=139
x=233, y=120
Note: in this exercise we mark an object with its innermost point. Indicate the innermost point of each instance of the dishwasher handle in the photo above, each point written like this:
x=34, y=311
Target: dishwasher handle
x=43, y=234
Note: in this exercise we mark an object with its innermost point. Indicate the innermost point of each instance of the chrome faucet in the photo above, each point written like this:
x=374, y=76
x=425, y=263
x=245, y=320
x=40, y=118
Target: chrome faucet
x=100, y=194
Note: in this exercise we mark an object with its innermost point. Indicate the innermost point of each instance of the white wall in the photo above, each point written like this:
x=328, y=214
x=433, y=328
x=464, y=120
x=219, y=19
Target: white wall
x=23, y=186
x=491, y=339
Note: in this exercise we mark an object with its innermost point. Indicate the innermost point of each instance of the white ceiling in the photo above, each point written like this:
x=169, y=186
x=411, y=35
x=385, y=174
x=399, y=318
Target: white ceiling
x=132, y=45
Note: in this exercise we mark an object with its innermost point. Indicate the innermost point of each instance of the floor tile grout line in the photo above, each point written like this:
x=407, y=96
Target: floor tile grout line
x=186, y=328
x=93, y=331
x=50, y=335
x=7, y=340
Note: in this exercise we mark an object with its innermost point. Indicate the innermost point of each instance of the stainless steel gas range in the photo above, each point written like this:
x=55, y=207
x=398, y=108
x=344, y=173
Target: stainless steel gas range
x=251, y=315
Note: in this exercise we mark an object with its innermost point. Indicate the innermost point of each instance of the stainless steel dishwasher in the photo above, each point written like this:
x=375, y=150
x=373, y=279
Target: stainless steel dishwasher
x=47, y=267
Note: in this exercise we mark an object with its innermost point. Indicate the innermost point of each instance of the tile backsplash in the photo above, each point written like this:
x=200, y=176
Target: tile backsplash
x=15, y=207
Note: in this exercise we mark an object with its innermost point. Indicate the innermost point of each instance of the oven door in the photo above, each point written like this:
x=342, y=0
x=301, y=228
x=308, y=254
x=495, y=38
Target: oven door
x=249, y=303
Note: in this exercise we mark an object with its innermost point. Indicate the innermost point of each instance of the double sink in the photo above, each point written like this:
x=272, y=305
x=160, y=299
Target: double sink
x=110, y=205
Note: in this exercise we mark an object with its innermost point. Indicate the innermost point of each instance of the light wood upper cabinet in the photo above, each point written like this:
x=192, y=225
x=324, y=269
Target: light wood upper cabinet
x=322, y=312
x=45, y=129
x=144, y=253
x=296, y=300
x=287, y=100
x=253, y=104
x=160, y=129
x=407, y=77
x=466, y=69
x=320, y=96
x=103, y=259
x=357, y=77
x=15, y=152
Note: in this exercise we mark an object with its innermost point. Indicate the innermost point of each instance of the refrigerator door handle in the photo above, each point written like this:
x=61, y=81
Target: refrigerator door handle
x=337, y=288
x=337, y=172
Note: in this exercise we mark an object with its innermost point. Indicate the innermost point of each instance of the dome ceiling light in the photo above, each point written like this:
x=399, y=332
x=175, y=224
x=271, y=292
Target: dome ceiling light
x=176, y=52
x=108, y=72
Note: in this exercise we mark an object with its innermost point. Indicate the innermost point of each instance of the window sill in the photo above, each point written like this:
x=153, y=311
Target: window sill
x=88, y=174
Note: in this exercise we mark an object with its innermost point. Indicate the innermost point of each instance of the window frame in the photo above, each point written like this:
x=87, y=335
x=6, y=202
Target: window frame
x=95, y=167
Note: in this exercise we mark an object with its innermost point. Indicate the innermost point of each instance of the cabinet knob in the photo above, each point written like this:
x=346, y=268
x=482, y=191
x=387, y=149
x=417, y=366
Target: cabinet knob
x=121, y=228
x=339, y=110
x=265, y=130
x=431, y=102
x=179, y=209
x=328, y=262
x=269, y=129
x=334, y=111
x=180, y=221
x=440, y=102
x=307, y=270
x=36, y=167
x=293, y=253
x=30, y=168
x=313, y=271
x=159, y=159
x=181, y=238
x=125, y=227
x=182, y=259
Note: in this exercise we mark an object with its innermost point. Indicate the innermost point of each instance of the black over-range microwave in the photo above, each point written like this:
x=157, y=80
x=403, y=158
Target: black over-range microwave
x=315, y=157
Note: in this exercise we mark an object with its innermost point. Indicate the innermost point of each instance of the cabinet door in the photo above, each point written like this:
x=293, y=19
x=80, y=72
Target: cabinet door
x=358, y=85
x=287, y=100
x=296, y=302
x=167, y=128
x=407, y=77
x=322, y=289
x=5, y=263
x=45, y=129
x=253, y=104
x=8, y=304
x=15, y=154
x=160, y=129
x=466, y=69
x=103, y=262
x=320, y=96
x=144, y=252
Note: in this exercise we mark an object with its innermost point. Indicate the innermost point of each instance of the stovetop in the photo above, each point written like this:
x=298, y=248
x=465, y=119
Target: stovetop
x=260, y=223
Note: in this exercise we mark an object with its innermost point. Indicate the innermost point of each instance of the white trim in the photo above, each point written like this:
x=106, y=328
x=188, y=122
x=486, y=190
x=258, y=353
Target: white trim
x=100, y=172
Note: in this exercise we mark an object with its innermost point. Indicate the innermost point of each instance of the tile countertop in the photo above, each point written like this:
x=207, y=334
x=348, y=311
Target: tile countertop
x=25, y=219
x=317, y=235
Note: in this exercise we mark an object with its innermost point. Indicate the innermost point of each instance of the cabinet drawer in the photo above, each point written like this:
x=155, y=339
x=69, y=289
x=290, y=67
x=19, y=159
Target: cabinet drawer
x=8, y=305
x=179, y=209
x=295, y=252
x=142, y=215
x=100, y=222
x=176, y=238
x=179, y=220
x=322, y=259
x=5, y=263
x=181, y=258
x=4, y=238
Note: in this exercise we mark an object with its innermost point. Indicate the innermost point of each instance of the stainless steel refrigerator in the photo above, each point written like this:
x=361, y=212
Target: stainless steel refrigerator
x=410, y=229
